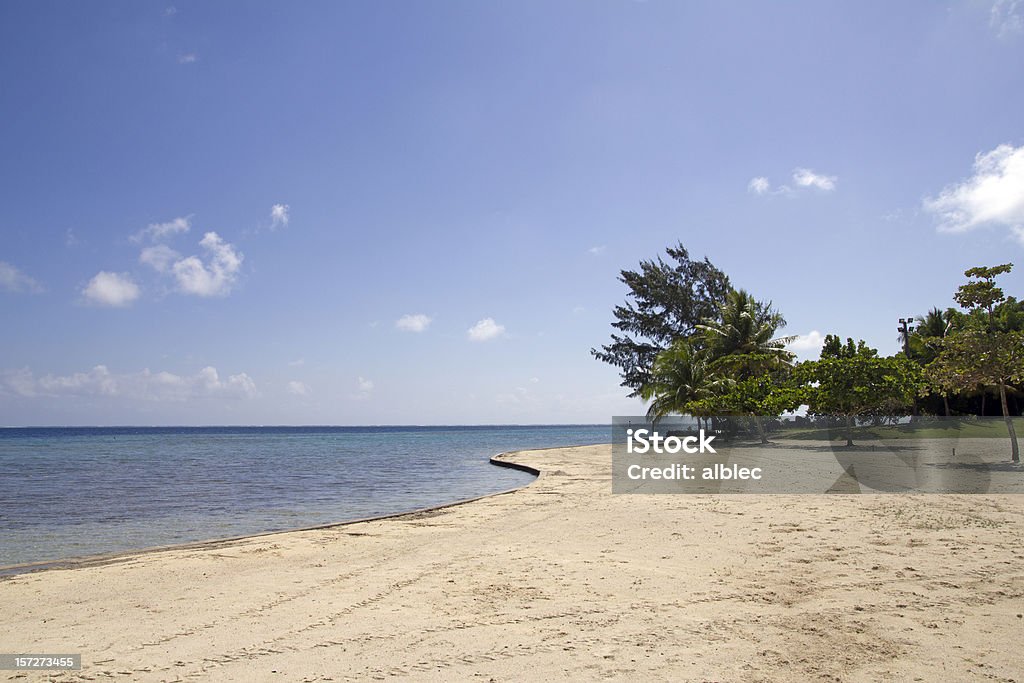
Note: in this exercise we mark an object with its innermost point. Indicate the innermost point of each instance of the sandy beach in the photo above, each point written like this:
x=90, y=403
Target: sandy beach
x=561, y=580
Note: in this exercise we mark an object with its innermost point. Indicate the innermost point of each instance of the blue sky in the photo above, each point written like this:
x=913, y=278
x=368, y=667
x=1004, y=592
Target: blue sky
x=369, y=213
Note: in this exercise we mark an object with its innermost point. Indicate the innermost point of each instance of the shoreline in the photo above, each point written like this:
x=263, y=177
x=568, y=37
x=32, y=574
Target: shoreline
x=564, y=580
x=110, y=558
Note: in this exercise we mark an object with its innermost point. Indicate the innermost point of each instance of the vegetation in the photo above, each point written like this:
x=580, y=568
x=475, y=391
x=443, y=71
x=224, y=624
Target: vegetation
x=983, y=353
x=667, y=301
x=851, y=381
x=688, y=343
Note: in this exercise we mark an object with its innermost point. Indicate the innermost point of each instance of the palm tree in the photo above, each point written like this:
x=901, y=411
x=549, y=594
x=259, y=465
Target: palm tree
x=926, y=340
x=743, y=345
x=680, y=376
x=743, y=340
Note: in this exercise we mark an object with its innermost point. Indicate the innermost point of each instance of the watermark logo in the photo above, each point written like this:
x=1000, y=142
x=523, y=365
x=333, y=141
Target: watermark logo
x=648, y=441
x=817, y=454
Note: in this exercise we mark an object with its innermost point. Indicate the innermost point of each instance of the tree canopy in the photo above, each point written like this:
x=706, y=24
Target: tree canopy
x=666, y=302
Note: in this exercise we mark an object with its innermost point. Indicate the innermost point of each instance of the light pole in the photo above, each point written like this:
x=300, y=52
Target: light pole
x=905, y=329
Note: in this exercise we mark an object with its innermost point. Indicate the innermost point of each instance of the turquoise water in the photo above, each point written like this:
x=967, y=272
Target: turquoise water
x=69, y=492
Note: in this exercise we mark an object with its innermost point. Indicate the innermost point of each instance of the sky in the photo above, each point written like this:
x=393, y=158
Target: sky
x=416, y=213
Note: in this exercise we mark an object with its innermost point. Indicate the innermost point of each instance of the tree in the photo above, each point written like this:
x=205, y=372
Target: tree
x=756, y=396
x=832, y=347
x=666, y=302
x=679, y=379
x=742, y=339
x=925, y=341
x=851, y=381
x=976, y=358
x=749, y=358
x=982, y=354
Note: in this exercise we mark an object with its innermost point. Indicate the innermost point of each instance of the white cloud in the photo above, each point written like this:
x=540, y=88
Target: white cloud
x=805, y=177
x=485, y=330
x=111, y=289
x=70, y=239
x=297, y=363
x=1005, y=18
x=215, y=277
x=413, y=323
x=534, y=380
x=14, y=280
x=759, y=185
x=365, y=385
x=298, y=388
x=595, y=250
x=145, y=385
x=159, y=257
x=187, y=58
x=279, y=216
x=993, y=195
x=170, y=11
x=807, y=344
x=160, y=231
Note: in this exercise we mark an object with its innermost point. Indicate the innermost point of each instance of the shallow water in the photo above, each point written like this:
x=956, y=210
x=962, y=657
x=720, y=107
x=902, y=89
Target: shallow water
x=67, y=492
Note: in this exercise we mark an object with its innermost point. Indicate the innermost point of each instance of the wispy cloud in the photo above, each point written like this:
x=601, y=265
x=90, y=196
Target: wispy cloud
x=485, y=330
x=802, y=178
x=115, y=290
x=188, y=58
x=1005, y=18
x=279, y=216
x=159, y=257
x=759, y=185
x=992, y=196
x=156, y=232
x=365, y=387
x=14, y=280
x=417, y=322
x=595, y=250
x=215, y=276
x=805, y=177
x=297, y=388
x=145, y=385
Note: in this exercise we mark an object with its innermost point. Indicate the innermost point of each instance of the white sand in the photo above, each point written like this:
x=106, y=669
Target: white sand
x=562, y=580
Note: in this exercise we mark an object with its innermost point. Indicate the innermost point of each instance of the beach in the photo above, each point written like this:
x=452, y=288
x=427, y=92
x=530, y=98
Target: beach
x=560, y=580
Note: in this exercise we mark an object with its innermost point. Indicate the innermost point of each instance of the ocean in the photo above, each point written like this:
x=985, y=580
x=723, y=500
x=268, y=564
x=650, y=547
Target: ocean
x=73, y=492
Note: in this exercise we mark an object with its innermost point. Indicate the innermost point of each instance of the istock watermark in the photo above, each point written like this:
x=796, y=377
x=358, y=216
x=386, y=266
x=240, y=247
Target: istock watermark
x=644, y=440
x=879, y=454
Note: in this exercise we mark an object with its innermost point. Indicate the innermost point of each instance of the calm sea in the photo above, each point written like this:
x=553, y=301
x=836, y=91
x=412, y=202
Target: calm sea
x=67, y=492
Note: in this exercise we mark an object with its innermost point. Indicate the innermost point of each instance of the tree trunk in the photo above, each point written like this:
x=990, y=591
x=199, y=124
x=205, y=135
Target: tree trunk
x=983, y=394
x=760, y=429
x=849, y=430
x=1014, y=448
x=945, y=403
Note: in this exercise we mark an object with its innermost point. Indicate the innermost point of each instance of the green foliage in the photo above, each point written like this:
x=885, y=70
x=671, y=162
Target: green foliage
x=975, y=358
x=666, y=302
x=679, y=380
x=860, y=384
x=981, y=292
x=762, y=395
x=730, y=365
x=742, y=339
x=833, y=348
x=984, y=353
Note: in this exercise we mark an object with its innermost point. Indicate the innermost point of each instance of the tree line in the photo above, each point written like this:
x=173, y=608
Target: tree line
x=687, y=342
